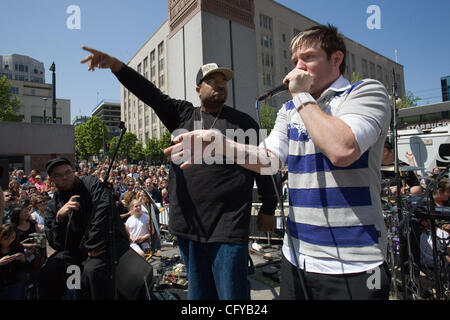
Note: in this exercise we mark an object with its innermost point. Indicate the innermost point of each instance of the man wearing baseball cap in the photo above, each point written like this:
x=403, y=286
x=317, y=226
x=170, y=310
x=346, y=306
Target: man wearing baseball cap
x=210, y=204
x=78, y=238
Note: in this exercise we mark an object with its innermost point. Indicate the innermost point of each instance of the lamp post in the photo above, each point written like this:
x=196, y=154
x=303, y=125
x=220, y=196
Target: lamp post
x=45, y=110
x=53, y=69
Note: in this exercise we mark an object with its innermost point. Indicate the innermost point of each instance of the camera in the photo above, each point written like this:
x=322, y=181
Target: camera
x=38, y=238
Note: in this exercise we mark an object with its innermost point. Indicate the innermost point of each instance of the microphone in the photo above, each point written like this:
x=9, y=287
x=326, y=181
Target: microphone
x=273, y=92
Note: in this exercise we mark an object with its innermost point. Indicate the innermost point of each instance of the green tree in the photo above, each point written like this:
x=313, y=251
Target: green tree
x=137, y=152
x=409, y=100
x=267, y=115
x=80, y=142
x=8, y=107
x=128, y=141
x=153, y=150
x=355, y=77
x=166, y=140
x=89, y=138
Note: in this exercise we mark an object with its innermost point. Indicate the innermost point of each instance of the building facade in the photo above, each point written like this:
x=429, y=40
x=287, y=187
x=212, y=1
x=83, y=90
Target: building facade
x=445, y=86
x=80, y=120
x=27, y=79
x=109, y=113
x=250, y=37
x=22, y=68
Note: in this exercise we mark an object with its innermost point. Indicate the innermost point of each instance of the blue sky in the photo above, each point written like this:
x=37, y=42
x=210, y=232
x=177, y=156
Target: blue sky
x=419, y=30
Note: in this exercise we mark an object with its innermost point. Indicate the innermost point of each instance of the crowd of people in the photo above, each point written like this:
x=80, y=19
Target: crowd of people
x=139, y=191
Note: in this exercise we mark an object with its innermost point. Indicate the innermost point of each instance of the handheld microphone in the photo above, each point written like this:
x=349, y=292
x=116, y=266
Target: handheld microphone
x=273, y=92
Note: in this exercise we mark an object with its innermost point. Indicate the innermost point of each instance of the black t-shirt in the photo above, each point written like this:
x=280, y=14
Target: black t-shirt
x=208, y=203
x=9, y=273
x=22, y=235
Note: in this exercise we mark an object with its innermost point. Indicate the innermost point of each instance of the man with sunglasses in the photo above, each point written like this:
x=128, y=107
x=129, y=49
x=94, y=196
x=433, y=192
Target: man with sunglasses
x=78, y=238
x=10, y=205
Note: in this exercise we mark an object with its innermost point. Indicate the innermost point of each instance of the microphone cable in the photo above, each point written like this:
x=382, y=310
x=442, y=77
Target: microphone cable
x=290, y=241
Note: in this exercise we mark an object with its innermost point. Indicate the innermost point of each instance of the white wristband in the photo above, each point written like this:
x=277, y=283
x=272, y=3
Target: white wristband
x=303, y=98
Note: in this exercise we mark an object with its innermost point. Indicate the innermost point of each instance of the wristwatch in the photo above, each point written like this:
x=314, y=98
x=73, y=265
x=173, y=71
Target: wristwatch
x=303, y=98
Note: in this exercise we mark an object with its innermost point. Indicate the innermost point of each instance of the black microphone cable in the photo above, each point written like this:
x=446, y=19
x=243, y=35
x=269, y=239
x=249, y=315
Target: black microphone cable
x=291, y=243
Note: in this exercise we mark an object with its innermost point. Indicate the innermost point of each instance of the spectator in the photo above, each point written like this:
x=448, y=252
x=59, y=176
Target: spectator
x=387, y=171
x=130, y=185
x=150, y=208
x=12, y=259
x=33, y=174
x=125, y=203
x=21, y=178
x=38, y=204
x=2, y=205
x=15, y=187
x=154, y=192
x=40, y=184
x=165, y=197
x=10, y=205
x=138, y=228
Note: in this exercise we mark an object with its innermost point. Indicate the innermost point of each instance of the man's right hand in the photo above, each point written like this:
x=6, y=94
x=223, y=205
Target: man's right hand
x=98, y=59
x=71, y=205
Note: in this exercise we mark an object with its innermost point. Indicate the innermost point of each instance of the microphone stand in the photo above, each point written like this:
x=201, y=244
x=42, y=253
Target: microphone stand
x=431, y=208
x=110, y=187
x=280, y=201
x=402, y=240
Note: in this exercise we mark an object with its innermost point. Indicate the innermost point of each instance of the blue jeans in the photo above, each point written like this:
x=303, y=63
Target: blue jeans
x=215, y=270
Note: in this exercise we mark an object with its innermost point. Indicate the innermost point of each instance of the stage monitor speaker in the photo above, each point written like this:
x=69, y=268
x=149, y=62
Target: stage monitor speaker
x=4, y=174
x=133, y=276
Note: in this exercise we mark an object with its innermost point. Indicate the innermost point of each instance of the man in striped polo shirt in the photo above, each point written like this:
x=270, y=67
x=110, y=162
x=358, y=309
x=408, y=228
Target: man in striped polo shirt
x=331, y=135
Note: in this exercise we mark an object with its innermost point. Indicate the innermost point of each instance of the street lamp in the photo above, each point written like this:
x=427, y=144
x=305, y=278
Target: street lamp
x=53, y=69
x=45, y=110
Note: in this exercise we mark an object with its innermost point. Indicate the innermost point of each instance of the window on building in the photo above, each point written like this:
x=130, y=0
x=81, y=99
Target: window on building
x=284, y=37
x=37, y=119
x=365, y=68
x=152, y=56
x=265, y=22
x=14, y=90
x=372, y=70
x=379, y=73
x=145, y=63
x=152, y=72
x=161, y=48
x=161, y=64
x=139, y=68
x=161, y=80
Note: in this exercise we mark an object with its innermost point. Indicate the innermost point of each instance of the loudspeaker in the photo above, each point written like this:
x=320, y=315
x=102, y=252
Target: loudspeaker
x=133, y=276
x=4, y=174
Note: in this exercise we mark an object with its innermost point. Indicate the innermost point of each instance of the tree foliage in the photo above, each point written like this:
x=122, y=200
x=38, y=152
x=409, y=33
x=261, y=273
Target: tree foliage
x=8, y=107
x=89, y=138
x=154, y=148
x=409, y=100
x=267, y=115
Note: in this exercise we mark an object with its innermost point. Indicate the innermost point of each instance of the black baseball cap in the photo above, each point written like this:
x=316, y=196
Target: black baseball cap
x=211, y=68
x=56, y=162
